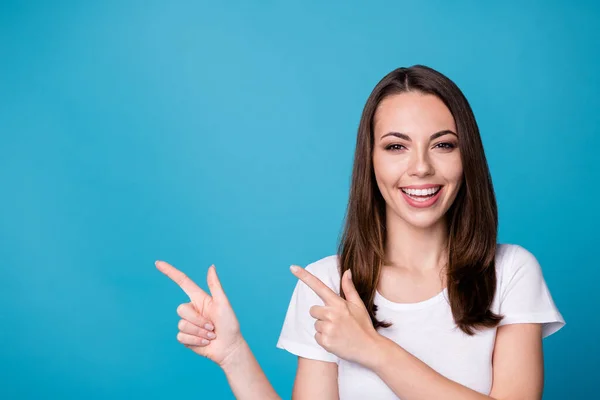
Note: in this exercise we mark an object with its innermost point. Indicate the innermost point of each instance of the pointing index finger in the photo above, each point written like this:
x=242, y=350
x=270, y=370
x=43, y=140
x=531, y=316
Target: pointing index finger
x=194, y=292
x=321, y=289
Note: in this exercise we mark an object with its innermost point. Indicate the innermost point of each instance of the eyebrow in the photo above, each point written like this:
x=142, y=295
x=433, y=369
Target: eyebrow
x=407, y=138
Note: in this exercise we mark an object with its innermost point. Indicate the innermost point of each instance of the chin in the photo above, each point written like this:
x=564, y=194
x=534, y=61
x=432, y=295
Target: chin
x=421, y=219
x=422, y=223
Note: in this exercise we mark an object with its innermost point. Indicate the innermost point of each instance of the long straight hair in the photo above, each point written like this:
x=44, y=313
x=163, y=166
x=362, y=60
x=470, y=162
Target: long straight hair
x=472, y=218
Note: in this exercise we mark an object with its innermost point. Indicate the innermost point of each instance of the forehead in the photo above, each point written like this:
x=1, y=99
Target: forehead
x=413, y=113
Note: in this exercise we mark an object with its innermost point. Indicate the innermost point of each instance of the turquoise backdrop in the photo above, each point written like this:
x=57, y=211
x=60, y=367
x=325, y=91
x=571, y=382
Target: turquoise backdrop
x=223, y=132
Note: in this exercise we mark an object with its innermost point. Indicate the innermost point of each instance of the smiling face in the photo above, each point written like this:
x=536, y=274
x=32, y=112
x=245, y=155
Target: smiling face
x=416, y=157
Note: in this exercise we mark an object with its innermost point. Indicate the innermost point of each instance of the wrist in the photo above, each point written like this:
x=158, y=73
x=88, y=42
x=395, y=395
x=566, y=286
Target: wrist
x=377, y=352
x=235, y=355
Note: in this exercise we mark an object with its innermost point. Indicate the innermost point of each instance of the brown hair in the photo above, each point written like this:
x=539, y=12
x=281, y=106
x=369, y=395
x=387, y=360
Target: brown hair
x=472, y=218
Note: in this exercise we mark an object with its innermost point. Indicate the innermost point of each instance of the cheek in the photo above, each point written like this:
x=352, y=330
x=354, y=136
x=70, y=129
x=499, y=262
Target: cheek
x=452, y=169
x=387, y=169
x=386, y=176
x=459, y=173
x=380, y=179
x=380, y=170
x=456, y=175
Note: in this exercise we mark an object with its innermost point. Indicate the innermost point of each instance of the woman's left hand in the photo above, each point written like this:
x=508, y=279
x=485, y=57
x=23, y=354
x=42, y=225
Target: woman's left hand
x=344, y=327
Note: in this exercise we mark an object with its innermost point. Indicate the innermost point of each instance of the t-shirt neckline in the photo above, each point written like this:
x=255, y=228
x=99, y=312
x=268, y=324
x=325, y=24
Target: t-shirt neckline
x=379, y=299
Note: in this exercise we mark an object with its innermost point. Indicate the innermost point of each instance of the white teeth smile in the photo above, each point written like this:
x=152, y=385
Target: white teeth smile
x=422, y=192
x=421, y=195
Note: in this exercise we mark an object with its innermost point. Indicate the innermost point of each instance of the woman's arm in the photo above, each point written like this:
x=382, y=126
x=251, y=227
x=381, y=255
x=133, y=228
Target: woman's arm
x=518, y=362
x=246, y=379
x=517, y=369
x=316, y=380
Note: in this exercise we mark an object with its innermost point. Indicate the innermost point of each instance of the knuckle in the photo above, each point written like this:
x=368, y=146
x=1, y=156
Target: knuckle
x=328, y=329
x=200, y=321
x=199, y=331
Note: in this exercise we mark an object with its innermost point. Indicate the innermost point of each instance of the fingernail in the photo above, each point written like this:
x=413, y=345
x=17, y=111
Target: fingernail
x=204, y=341
x=209, y=327
x=349, y=274
x=293, y=268
x=211, y=335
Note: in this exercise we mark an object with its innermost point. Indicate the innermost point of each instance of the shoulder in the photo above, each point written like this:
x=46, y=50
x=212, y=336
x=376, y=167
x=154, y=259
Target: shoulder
x=327, y=270
x=510, y=257
x=523, y=295
x=517, y=271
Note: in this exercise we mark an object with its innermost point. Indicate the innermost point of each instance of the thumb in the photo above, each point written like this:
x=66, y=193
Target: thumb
x=214, y=285
x=349, y=289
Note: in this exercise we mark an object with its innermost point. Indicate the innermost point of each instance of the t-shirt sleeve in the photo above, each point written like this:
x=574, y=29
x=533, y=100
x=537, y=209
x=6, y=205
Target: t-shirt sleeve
x=525, y=297
x=298, y=332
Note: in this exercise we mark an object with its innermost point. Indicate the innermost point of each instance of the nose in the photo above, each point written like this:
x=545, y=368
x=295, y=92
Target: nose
x=420, y=165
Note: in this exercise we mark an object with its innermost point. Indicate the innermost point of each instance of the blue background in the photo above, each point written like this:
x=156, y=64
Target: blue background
x=205, y=132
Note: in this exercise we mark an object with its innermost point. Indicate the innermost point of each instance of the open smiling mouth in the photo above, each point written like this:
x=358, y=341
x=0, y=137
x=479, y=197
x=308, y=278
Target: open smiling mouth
x=421, y=197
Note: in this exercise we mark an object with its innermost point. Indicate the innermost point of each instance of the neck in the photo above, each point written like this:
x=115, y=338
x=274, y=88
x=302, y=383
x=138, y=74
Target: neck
x=414, y=248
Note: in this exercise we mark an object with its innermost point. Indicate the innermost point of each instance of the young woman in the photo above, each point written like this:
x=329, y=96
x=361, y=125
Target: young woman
x=420, y=301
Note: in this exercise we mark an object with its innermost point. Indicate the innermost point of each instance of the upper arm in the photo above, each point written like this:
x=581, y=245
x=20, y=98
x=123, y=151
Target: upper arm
x=315, y=379
x=518, y=362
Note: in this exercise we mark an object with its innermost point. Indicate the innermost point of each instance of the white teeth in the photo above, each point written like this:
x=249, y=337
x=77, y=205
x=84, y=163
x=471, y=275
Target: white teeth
x=422, y=192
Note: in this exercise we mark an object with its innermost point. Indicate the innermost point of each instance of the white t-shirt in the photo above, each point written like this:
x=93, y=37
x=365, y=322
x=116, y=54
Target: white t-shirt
x=426, y=329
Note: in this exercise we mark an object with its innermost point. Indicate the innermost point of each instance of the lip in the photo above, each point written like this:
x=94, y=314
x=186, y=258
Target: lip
x=422, y=204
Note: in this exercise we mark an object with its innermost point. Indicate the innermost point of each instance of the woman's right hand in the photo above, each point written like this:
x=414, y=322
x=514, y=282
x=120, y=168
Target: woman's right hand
x=203, y=309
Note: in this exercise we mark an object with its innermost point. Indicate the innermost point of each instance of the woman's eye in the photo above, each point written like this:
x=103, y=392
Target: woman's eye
x=394, y=147
x=446, y=146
